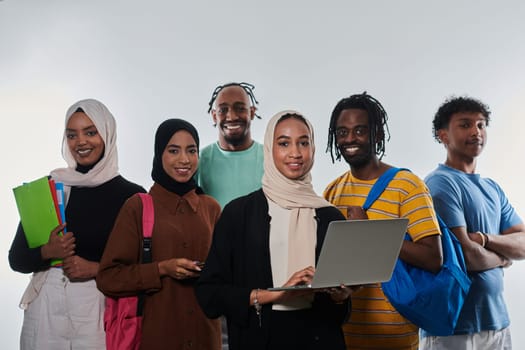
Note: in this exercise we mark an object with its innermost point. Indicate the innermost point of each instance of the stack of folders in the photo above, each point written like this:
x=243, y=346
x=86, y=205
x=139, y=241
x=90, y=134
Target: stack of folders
x=41, y=207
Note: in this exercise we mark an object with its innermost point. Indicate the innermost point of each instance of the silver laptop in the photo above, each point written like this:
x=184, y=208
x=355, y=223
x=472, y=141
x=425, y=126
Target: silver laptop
x=357, y=252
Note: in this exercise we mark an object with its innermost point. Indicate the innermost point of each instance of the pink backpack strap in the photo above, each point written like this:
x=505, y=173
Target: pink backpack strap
x=147, y=214
x=147, y=229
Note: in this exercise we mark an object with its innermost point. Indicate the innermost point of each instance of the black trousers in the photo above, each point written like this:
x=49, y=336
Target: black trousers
x=300, y=329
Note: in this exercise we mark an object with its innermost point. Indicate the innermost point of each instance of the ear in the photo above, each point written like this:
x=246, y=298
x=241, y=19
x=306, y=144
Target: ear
x=252, y=112
x=443, y=136
x=214, y=116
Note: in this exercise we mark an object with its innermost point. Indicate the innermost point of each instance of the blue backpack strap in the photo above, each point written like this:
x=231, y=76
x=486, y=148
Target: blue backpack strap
x=380, y=186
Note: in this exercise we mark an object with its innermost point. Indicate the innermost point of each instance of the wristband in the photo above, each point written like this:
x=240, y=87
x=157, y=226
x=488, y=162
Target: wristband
x=486, y=239
x=483, y=239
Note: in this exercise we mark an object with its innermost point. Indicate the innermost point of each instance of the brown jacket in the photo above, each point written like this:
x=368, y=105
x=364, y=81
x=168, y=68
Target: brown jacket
x=183, y=228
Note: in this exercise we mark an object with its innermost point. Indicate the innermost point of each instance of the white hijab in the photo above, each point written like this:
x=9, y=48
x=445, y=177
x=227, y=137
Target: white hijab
x=296, y=195
x=107, y=168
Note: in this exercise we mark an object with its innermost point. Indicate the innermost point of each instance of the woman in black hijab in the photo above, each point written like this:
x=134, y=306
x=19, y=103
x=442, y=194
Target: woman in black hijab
x=183, y=224
x=163, y=136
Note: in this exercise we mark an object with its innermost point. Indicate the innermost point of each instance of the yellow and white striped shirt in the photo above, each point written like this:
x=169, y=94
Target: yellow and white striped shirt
x=374, y=323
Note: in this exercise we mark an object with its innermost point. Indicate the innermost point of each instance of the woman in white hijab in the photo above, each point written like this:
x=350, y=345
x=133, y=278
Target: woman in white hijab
x=63, y=308
x=272, y=237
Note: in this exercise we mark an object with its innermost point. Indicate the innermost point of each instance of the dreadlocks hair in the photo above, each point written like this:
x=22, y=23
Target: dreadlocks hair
x=247, y=87
x=455, y=105
x=377, y=122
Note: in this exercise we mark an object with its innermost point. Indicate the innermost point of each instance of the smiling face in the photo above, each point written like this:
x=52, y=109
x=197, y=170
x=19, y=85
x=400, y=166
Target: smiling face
x=292, y=150
x=181, y=157
x=465, y=136
x=352, y=136
x=83, y=140
x=233, y=113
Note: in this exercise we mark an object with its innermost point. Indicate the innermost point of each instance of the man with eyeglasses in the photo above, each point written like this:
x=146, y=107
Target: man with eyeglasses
x=232, y=166
x=357, y=132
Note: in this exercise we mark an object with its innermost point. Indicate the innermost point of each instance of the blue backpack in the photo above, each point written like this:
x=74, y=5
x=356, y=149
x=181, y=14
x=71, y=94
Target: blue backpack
x=430, y=301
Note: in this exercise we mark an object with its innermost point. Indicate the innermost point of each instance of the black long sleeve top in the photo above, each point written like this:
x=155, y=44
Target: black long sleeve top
x=90, y=215
x=239, y=261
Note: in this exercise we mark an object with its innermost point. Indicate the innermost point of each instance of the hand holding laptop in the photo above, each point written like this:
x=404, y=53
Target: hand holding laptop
x=300, y=284
x=357, y=252
x=295, y=285
x=300, y=277
x=341, y=293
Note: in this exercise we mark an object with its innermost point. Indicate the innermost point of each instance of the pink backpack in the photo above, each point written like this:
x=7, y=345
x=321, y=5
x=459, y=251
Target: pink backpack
x=123, y=316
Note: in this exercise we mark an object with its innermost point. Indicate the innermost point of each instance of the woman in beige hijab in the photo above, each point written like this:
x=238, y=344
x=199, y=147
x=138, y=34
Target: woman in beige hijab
x=272, y=237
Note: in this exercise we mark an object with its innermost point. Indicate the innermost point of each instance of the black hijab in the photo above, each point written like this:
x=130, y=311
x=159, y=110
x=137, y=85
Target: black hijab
x=162, y=137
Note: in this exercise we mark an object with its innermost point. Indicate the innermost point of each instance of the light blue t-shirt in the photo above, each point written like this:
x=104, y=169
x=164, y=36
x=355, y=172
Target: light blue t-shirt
x=226, y=175
x=478, y=204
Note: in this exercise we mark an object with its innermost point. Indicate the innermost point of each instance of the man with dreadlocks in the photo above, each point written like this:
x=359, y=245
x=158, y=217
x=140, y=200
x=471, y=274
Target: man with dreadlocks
x=357, y=132
x=479, y=213
x=232, y=166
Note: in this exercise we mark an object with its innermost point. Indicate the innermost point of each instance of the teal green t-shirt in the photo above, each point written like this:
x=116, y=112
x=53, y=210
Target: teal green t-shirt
x=226, y=175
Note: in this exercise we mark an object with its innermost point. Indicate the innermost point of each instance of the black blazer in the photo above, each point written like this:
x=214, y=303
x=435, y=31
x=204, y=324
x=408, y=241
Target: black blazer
x=239, y=261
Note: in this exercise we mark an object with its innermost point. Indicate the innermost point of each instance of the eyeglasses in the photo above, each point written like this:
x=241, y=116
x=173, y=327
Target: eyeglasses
x=238, y=109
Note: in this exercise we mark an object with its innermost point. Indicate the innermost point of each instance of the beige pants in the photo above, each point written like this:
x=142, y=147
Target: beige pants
x=64, y=315
x=485, y=340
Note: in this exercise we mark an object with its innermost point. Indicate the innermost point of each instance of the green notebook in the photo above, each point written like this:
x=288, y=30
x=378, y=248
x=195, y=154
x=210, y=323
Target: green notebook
x=37, y=211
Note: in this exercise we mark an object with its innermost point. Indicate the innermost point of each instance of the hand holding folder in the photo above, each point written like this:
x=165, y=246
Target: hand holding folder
x=60, y=246
x=41, y=209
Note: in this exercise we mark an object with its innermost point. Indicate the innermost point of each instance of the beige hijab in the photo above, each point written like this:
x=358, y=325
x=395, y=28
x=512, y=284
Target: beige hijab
x=296, y=195
x=103, y=171
x=107, y=167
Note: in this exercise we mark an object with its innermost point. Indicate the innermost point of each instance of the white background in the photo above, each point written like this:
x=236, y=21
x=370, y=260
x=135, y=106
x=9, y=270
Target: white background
x=151, y=60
